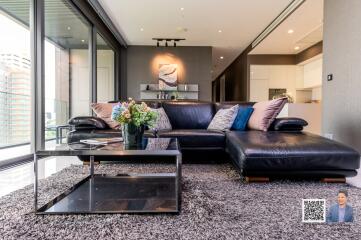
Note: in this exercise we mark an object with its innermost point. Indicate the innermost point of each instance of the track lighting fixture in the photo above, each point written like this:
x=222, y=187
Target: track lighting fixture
x=175, y=40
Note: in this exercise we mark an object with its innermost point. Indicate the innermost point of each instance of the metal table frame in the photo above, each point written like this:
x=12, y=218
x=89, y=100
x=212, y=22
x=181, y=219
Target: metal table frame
x=175, y=154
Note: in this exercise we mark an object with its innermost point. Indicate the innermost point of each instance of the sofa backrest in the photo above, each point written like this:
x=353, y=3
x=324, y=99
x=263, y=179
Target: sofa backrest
x=189, y=115
x=223, y=105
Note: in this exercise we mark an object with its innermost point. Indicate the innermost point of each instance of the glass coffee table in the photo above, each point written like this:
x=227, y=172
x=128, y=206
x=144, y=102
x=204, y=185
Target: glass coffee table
x=122, y=193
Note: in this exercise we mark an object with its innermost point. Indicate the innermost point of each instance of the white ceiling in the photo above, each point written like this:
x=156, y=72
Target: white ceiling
x=307, y=25
x=240, y=21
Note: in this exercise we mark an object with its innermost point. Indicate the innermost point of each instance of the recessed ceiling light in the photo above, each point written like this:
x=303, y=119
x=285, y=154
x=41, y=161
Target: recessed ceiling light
x=297, y=47
x=221, y=57
x=219, y=31
x=83, y=40
x=290, y=31
x=141, y=29
x=69, y=28
x=182, y=8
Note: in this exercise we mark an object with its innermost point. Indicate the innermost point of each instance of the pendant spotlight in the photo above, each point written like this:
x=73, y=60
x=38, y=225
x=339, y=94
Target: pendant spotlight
x=175, y=40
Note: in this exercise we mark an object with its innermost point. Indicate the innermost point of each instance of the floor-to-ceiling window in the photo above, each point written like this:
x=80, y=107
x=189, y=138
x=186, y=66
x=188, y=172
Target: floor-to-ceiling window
x=67, y=61
x=105, y=70
x=15, y=79
x=65, y=70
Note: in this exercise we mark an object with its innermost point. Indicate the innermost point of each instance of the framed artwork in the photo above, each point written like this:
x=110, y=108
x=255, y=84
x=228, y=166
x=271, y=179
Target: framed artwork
x=168, y=75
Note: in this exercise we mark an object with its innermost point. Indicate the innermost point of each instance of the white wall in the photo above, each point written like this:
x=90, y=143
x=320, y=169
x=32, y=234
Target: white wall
x=80, y=82
x=105, y=73
x=312, y=73
x=264, y=77
x=310, y=79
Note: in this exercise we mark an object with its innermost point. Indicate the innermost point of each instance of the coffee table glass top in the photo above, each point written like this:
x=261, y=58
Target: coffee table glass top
x=149, y=146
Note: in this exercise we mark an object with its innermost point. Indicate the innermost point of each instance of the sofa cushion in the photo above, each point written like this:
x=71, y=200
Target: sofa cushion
x=196, y=138
x=189, y=115
x=223, y=119
x=289, y=151
x=162, y=122
x=243, y=115
x=264, y=113
x=104, y=111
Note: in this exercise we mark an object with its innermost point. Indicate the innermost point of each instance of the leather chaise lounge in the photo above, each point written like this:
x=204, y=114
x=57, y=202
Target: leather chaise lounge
x=287, y=152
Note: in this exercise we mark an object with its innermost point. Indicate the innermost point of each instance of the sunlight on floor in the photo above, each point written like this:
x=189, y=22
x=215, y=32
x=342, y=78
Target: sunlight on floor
x=20, y=176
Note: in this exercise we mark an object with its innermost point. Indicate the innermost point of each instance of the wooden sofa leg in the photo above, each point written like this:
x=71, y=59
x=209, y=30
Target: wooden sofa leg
x=333, y=180
x=257, y=179
x=87, y=163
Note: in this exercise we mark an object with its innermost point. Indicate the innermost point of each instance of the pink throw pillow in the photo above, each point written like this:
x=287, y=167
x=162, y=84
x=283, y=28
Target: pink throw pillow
x=104, y=111
x=265, y=113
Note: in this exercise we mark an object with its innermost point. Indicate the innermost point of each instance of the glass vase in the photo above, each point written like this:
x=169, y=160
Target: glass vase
x=132, y=135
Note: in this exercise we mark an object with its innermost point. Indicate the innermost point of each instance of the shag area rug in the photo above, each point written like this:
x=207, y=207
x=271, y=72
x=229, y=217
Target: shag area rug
x=216, y=205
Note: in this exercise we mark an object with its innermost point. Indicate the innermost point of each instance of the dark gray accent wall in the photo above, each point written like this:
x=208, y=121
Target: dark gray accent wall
x=341, y=97
x=194, y=67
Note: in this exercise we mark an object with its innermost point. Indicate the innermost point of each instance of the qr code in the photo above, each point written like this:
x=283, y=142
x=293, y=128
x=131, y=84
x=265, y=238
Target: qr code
x=313, y=210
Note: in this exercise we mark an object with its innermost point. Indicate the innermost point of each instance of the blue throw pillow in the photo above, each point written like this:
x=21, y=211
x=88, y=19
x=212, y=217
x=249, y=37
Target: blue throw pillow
x=243, y=115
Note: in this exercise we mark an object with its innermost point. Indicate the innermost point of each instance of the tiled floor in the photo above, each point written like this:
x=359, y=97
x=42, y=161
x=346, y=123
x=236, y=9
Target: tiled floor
x=20, y=176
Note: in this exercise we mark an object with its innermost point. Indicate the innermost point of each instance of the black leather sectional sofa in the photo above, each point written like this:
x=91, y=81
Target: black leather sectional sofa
x=285, y=152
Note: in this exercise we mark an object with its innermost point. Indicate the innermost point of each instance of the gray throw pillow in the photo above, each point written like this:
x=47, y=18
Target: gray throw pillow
x=162, y=122
x=223, y=119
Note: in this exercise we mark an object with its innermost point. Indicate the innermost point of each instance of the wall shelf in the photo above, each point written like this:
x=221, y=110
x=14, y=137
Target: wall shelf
x=167, y=91
x=183, y=92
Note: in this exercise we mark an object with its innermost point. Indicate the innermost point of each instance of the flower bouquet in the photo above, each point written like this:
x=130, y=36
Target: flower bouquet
x=133, y=118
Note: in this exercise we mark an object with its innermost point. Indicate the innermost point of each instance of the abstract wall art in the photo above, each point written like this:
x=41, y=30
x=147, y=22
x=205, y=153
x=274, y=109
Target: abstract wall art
x=168, y=76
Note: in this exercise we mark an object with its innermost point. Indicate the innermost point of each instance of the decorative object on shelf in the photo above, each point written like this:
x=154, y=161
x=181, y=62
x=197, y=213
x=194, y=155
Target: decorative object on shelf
x=133, y=119
x=287, y=95
x=147, y=88
x=274, y=93
x=190, y=92
x=168, y=76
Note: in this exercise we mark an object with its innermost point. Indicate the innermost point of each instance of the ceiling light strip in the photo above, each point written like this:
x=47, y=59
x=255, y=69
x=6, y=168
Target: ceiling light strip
x=277, y=21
